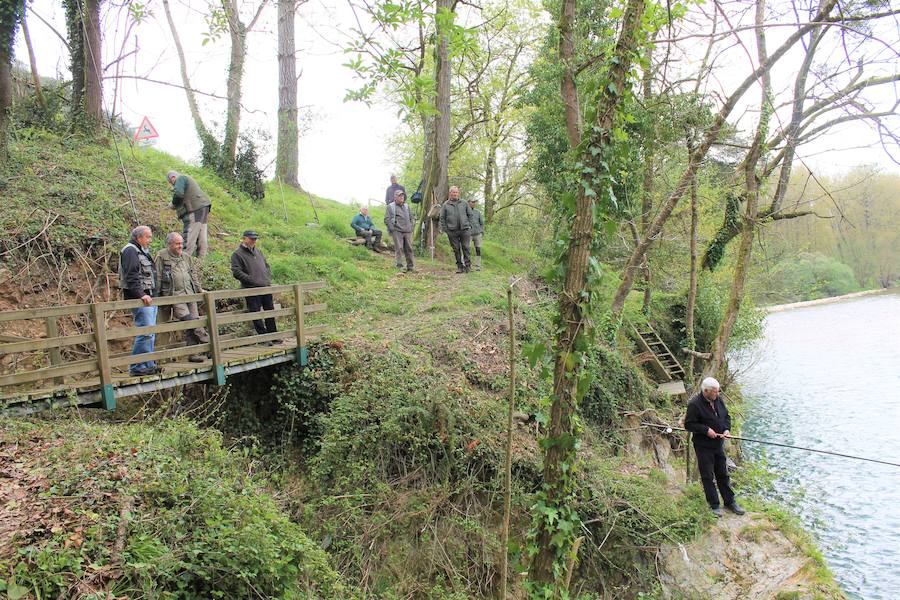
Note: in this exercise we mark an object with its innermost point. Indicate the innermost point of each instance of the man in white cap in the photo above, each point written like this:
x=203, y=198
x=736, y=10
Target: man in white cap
x=709, y=421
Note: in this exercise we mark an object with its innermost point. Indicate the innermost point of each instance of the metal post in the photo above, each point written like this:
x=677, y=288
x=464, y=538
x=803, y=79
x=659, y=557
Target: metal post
x=106, y=389
x=218, y=363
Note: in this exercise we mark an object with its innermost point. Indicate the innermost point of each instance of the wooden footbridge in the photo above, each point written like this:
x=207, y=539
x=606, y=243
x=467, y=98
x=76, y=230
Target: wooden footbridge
x=89, y=366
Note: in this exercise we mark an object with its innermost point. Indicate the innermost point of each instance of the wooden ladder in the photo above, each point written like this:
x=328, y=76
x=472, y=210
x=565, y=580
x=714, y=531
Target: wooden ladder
x=667, y=365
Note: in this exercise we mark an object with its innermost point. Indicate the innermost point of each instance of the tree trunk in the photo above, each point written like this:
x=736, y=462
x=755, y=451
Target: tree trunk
x=751, y=200
x=210, y=147
x=38, y=89
x=490, y=167
x=93, y=67
x=692, y=285
x=75, y=33
x=9, y=20
x=694, y=159
x=238, y=36
x=437, y=186
x=286, y=163
x=567, y=85
x=571, y=340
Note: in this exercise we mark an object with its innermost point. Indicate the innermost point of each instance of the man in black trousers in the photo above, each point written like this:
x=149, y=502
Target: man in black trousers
x=709, y=421
x=249, y=266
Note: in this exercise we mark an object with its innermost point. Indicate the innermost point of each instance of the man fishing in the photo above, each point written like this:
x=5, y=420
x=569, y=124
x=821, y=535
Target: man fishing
x=709, y=422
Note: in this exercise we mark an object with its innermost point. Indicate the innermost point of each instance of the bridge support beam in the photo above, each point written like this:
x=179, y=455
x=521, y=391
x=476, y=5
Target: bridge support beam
x=108, y=395
x=219, y=374
x=302, y=356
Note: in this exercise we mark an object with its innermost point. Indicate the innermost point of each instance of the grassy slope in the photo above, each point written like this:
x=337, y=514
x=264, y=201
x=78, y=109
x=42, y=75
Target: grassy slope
x=430, y=343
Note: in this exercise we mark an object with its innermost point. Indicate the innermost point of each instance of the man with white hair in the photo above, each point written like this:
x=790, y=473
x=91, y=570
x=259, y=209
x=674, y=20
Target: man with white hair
x=176, y=276
x=137, y=278
x=709, y=422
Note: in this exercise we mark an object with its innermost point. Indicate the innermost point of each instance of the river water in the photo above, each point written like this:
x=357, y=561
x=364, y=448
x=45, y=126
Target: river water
x=828, y=377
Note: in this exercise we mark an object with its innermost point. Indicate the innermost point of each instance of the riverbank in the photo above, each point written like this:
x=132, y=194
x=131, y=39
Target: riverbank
x=782, y=307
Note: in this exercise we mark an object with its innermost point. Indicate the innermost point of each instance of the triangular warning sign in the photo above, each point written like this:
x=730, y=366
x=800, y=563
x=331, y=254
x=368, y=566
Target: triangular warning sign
x=146, y=131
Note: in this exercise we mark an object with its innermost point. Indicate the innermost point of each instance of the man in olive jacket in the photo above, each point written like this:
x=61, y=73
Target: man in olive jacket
x=708, y=420
x=476, y=230
x=249, y=266
x=176, y=276
x=192, y=206
x=456, y=221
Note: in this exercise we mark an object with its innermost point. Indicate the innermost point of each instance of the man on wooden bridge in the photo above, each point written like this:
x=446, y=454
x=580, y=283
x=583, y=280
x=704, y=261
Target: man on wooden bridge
x=249, y=266
x=177, y=277
x=708, y=419
x=192, y=206
x=137, y=278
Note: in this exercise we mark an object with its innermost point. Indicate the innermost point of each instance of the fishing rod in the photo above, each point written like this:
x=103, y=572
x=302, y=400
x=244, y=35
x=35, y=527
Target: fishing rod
x=670, y=428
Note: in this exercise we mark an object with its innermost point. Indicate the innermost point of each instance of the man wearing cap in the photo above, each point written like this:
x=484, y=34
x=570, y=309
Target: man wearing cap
x=192, y=206
x=176, y=277
x=392, y=190
x=249, y=266
x=137, y=278
x=476, y=230
x=400, y=225
x=364, y=227
x=456, y=222
x=708, y=419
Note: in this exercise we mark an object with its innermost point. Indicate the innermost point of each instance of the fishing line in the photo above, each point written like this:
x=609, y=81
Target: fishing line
x=670, y=428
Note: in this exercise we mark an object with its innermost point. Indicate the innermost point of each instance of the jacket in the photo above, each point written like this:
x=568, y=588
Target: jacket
x=398, y=218
x=456, y=216
x=361, y=223
x=701, y=417
x=389, y=193
x=175, y=274
x=250, y=267
x=187, y=196
x=137, y=276
x=476, y=222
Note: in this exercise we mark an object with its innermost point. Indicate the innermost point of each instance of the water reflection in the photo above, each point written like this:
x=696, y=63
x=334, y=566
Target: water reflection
x=829, y=377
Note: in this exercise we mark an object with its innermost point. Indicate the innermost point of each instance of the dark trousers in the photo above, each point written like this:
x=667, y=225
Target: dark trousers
x=257, y=303
x=368, y=234
x=711, y=462
x=459, y=240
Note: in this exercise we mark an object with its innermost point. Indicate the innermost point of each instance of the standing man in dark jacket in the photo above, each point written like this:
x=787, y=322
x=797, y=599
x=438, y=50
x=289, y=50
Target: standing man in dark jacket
x=456, y=221
x=249, y=266
x=476, y=230
x=399, y=223
x=137, y=278
x=192, y=206
x=392, y=190
x=708, y=419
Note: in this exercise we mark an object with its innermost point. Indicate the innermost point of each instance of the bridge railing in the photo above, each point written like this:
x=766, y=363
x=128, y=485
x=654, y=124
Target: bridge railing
x=99, y=333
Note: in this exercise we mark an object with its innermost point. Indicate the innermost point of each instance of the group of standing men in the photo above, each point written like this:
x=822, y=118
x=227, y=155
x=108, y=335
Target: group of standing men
x=173, y=272
x=460, y=220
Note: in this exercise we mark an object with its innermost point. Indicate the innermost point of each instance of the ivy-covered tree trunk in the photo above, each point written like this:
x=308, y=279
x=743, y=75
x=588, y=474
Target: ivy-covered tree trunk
x=574, y=328
x=209, y=144
x=75, y=35
x=751, y=204
x=692, y=283
x=286, y=162
x=93, y=67
x=10, y=13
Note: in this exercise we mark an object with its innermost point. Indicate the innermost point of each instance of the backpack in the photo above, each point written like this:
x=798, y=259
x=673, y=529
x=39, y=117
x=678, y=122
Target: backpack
x=417, y=195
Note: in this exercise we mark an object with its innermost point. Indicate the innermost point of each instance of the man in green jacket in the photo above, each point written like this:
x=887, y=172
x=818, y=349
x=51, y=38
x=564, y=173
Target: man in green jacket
x=364, y=228
x=192, y=207
x=176, y=276
x=456, y=222
x=476, y=230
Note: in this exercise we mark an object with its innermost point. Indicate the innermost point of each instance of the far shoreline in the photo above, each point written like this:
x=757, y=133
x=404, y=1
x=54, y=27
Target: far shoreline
x=782, y=307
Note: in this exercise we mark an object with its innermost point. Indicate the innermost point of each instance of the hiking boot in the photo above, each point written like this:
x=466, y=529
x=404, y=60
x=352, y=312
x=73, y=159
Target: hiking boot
x=718, y=512
x=460, y=270
x=410, y=269
x=145, y=372
x=736, y=508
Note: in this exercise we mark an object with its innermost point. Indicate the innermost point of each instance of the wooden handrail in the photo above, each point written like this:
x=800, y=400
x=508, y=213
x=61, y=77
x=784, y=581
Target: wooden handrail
x=103, y=360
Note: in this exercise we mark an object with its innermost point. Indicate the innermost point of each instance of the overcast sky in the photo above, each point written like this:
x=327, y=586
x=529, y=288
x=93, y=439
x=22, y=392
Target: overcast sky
x=345, y=155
